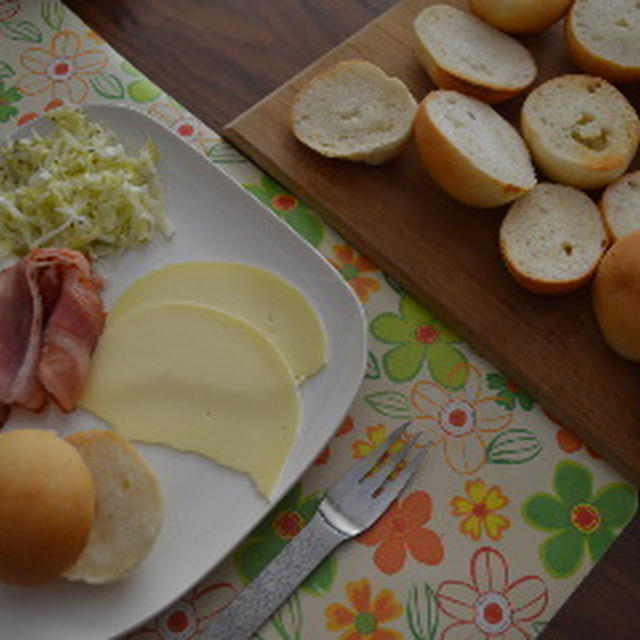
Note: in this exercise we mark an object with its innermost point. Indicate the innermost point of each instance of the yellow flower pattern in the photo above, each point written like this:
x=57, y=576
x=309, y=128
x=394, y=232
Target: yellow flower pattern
x=479, y=508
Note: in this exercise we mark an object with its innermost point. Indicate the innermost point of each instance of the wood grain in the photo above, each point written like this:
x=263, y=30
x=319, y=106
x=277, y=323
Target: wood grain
x=219, y=57
x=446, y=253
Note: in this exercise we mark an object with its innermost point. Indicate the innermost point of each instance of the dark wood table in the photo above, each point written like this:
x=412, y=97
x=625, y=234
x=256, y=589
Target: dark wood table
x=219, y=57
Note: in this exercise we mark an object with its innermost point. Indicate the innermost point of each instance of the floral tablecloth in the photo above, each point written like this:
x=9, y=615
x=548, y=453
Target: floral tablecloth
x=521, y=509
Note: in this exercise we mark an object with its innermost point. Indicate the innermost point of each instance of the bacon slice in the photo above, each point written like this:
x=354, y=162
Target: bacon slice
x=74, y=319
x=20, y=339
x=51, y=316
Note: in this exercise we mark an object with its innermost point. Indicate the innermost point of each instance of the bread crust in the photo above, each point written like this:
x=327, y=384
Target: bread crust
x=46, y=506
x=452, y=170
x=616, y=297
x=590, y=62
x=448, y=79
x=520, y=16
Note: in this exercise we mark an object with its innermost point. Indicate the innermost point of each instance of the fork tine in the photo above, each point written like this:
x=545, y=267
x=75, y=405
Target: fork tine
x=393, y=488
x=364, y=465
x=373, y=483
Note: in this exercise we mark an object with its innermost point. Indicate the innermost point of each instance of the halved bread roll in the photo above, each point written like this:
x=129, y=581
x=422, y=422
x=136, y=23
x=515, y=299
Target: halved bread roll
x=128, y=507
x=471, y=151
x=461, y=52
x=552, y=239
x=603, y=38
x=616, y=296
x=354, y=111
x=620, y=206
x=581, y=130
x=520, y=16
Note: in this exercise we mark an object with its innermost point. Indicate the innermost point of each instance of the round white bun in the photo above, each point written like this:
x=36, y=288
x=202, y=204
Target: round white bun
x=462, y=52
x=128, y=507
x=616, y=296
x=520, y=16
x=603, y=38
x=471, y=151
x=354, y=111
x=552, y=239
x=581, y=130
x=46, y=506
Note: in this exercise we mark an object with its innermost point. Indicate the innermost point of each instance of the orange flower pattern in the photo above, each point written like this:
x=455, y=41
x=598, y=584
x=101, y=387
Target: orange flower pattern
x=63, y=68
x=402, y=529
x=352, y=266
x=479, y=509
x=363, y=619
x=459, y=420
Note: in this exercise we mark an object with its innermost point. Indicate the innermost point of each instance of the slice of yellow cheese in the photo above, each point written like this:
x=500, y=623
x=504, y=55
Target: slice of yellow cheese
x=200, y=380
x=256, y=295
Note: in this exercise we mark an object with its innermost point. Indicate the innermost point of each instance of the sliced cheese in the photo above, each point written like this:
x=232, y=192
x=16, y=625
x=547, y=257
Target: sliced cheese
x=200, y=380
x=256, y=295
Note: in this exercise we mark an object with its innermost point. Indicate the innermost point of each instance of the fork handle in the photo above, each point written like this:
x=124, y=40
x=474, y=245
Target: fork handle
x=277, y=581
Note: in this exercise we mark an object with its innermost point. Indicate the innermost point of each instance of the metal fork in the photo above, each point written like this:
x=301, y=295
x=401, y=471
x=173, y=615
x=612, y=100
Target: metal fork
x=352, y=505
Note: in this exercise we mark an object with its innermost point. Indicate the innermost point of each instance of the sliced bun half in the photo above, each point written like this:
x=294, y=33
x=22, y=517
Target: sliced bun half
x=520, y=16
x=354, y=111
x=46, y=506
x=460, y=51
x=581, y=130
x=471, y=151
x=128, y=507
x=552, y=239
x=616, y=297
x=603, y=38
x=620, y=206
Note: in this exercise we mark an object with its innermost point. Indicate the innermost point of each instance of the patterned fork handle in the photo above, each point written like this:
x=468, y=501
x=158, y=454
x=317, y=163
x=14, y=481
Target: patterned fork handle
x=277, y=581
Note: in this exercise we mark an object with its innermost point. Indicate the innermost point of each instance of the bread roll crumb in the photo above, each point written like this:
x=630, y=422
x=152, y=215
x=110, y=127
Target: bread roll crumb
x=603, y=38
x=581, y=130
x=354, y=111
x=552, y=239
x=128, y=507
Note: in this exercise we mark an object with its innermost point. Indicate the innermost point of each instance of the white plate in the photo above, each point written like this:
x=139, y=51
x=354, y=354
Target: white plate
x=208, y=509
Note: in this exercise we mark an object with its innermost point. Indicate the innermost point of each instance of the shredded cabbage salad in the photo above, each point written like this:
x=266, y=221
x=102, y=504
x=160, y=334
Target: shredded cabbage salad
x=78, y=188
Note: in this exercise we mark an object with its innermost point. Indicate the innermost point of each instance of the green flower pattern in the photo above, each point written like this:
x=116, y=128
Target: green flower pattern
x=418, y=336
x=577, y=518
x=284, y=522
x=289, y=208
x=509, y=393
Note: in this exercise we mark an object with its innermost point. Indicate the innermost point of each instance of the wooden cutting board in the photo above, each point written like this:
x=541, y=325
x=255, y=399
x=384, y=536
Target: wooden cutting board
x=446, y=254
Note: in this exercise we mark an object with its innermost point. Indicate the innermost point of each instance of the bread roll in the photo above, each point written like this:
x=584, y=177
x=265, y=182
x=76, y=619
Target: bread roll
x=616, y=296
x=471, y=151
x=603, y=38
x=581, y=130
x=354, y=111
x=620, y=206
x=520, y=16
x=46, y=506
x=128, y=508
x=461, y=52
x=552, y=239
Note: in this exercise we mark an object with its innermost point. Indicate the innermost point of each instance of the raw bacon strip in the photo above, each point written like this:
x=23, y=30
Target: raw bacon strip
x=20, y=338
x=73, y=326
